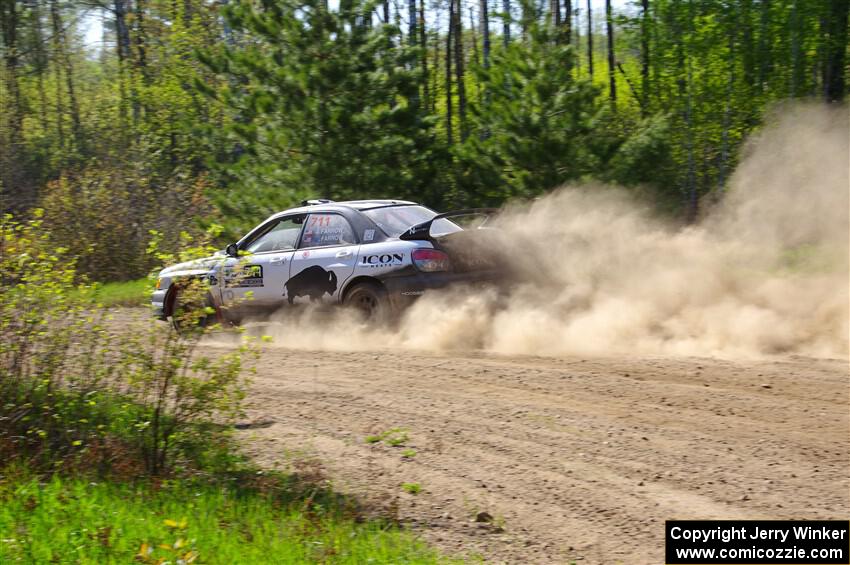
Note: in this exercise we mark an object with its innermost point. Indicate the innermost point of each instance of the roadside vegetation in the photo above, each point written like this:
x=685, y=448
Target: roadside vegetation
x=172, y=116
x=80, y=520
x=115, y=438
x=128, y=293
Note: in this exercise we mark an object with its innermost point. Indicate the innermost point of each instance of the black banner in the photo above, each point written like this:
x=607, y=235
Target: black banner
x=760, y=542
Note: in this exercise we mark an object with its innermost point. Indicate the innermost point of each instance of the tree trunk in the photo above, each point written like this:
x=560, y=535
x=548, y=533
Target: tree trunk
x=475, y=56
x=435, y=76
x=796, y=63
x=12, y=173
x=484, y=22
x=506, y=26
x=836, y=47
x=412, y=36
x=577, y=27
x=122, y=49
x=11, y=60
x=423, y=45
x=413, y=41
x=57, y=73
x=727, y=114
x=693, y=200
x=459, y=72
x=555, y=10
x=41, y=62
x=526, y=16
x=590, y=39
x=64, y=57
x=449, y=136
x=122, y=39
x=644, y=57
x=567, y=20
x=612, y=71
x=765, y=52
x=141, y=42
x=386, y=11
x=747, y=42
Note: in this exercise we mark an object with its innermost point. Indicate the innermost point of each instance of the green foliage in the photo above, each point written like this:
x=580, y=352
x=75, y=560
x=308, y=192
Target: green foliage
x=80, y=521
x=70, y=388
x=279, y=101
x=324, y=106
x=531, y=128
x=104, y=214
x=394, y=437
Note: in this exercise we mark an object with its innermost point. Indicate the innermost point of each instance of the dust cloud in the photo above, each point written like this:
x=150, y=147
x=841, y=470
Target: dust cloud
x=764, y=272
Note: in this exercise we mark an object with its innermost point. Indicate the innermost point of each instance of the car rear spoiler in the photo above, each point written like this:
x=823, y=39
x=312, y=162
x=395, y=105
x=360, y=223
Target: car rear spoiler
x=423, y=231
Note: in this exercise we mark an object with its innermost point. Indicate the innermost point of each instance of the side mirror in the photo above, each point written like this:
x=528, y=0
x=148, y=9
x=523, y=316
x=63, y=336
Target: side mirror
x=231, y=250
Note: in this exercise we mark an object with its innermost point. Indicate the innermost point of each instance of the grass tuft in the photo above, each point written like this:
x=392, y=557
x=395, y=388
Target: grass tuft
x=412, y=488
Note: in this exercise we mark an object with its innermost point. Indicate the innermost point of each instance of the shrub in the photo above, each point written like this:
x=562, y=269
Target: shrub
x=103, y=215
x=74, y=383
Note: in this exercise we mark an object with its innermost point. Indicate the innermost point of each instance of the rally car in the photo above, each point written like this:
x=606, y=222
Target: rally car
x=374, y=255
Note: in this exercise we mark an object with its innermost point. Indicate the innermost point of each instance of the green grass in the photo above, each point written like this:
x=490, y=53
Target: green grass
x=128, y=293
x=412, y=488
x=394, y=437
x=79, y=521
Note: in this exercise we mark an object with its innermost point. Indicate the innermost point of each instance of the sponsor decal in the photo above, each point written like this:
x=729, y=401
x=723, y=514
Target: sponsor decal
x=368, y=235
x=382, y=260
x=250, y=276
x=313, y=281
x=305, y=254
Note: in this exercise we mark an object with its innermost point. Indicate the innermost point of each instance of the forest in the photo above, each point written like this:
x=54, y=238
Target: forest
x=187, y=113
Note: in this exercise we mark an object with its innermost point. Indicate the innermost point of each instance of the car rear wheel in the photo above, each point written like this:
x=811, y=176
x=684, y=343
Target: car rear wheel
x=369, y=300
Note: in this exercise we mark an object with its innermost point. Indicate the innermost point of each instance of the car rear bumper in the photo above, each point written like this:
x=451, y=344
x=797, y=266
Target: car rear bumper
x=402, y=290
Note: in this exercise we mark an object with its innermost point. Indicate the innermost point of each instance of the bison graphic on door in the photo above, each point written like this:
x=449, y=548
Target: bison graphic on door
x=313, y=282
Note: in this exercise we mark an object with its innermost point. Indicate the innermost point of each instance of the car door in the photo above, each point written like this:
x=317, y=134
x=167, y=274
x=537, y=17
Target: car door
x=255, y=281
x=325, y=259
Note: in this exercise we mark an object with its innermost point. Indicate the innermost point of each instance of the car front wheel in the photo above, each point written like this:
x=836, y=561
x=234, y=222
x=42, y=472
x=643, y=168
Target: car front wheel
x=189, y=310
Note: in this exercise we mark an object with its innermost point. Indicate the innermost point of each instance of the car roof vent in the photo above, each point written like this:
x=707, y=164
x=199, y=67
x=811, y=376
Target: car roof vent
x=316, y=202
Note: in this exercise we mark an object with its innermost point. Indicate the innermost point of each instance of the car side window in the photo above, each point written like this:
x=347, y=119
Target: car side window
x=282, y=236
x=323, y=230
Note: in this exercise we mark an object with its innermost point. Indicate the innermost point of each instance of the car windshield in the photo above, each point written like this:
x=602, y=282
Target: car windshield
x=395, y=220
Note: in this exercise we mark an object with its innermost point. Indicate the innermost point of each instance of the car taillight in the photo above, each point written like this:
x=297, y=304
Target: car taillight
x=430, y=260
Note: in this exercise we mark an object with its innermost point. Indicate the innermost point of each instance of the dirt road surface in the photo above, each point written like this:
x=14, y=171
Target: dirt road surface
x=574, y=459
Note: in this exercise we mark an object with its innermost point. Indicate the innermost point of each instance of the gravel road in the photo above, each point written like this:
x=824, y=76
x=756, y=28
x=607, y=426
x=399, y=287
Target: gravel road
x=571, y=459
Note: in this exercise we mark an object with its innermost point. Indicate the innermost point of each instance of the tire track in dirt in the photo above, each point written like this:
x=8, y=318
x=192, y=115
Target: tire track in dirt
x=576, y=459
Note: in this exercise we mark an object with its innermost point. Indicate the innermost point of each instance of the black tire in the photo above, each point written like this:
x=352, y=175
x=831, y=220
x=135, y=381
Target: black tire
x=176, y=306
x=370, y=300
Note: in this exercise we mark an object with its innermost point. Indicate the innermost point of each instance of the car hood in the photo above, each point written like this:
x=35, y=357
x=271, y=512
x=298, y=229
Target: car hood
x=204, y=264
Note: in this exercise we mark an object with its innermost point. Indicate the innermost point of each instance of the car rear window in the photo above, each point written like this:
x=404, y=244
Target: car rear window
x=395, y=220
